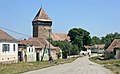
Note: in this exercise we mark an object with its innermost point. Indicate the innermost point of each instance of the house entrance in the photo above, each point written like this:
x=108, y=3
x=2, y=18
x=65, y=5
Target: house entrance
x=20, y=56
x=37, y=56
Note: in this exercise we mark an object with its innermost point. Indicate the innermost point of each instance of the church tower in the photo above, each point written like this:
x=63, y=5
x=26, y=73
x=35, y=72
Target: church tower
x=42, y=24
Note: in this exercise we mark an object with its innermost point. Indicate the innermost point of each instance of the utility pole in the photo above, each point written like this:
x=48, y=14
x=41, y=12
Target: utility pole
x=83, y=39
x=49, y=50
x=69, y=51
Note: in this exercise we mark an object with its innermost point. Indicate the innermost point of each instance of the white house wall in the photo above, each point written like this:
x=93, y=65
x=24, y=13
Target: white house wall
x=31, y=54
x=9, y=56
x=46, y=57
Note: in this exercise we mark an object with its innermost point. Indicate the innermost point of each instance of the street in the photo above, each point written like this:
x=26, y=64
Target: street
x=80, y=66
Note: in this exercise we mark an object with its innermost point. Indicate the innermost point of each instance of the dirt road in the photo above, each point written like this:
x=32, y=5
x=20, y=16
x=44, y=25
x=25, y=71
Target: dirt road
x=80, y=66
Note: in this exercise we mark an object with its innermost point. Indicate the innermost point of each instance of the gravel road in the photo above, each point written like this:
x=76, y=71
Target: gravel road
x=80, y=66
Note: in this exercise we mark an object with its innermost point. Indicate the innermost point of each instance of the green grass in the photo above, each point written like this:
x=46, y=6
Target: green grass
x=21, y=67
x=113, y=65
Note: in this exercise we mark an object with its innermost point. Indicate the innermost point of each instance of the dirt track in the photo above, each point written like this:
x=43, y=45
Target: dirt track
x=80, y=66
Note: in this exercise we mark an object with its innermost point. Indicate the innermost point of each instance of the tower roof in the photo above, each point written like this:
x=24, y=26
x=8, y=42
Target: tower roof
x=41, y=16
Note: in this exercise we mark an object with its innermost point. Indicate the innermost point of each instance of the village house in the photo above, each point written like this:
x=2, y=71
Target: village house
x=35, y=48
x=8, y=48
x=26, y=51
x=114, y=48
x=88, y=51
x=97, y=48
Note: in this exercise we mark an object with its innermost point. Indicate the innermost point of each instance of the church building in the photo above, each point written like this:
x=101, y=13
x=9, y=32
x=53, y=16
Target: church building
x=42, y=24
x=42, y=27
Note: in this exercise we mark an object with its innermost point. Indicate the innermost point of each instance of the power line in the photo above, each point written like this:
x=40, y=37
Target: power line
x=24, y=18
x=15, y=32
x=17, y=17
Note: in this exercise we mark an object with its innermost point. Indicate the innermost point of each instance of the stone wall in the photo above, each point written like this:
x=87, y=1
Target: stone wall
x=44, y=31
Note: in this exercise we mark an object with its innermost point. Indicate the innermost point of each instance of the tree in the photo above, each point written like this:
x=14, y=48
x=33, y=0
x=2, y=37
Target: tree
x=79, y=37
x=74, y=50
x=107, y=40
x=95, y=40
x=66, y=47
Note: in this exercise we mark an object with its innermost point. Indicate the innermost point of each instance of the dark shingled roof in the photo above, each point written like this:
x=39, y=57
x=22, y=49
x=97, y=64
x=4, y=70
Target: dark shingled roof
x=41, y=16
x=5, y=37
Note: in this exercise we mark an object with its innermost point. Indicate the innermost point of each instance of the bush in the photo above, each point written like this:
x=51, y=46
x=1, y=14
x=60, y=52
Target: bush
x=108, y=55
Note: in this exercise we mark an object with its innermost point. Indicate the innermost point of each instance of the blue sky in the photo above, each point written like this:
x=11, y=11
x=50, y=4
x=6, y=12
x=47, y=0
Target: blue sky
x=99, y=17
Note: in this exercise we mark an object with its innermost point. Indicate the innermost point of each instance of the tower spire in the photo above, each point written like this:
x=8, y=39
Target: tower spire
x=41, y=6
x=41, y=16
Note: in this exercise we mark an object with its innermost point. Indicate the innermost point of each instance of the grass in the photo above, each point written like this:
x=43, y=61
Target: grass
x=113, y=65
x=22, y=67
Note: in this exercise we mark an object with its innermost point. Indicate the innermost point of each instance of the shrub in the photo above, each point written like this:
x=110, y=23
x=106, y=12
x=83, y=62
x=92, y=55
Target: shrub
x=108, y=55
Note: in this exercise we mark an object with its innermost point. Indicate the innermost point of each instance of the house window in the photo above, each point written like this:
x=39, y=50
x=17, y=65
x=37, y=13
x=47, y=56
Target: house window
x=32, y=49
x=46, y=51
x=29, y=49
x=14, y=47
x=5, y=47
x=2, y=58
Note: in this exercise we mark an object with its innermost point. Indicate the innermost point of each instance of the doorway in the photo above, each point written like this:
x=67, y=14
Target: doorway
x=37, y=56
x=20, y=56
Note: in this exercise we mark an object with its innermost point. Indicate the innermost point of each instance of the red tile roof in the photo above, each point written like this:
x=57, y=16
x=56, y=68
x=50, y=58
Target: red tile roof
x=114, y=44
x=60, y=36
x=97, y=46
x=6, y=37
x=37, y=42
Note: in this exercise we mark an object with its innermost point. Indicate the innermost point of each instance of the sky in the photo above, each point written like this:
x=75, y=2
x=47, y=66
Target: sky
x=99, y=17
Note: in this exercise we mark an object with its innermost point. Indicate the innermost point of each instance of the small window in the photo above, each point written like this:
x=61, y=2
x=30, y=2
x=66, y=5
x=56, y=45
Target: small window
x=2, y=58
x=5, y=47
x=14, y=47
x=46, y=51
x=29, y=49
x=32, y=49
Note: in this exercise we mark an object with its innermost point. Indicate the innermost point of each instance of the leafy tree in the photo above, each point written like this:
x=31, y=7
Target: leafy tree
x=95, y=40
x=107, y=40
x=79, y=37
x=74, y=50
x=66, y=47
